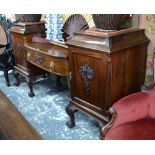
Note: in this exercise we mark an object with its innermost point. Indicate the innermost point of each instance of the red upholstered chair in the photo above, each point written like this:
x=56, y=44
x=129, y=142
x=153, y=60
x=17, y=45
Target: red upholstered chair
x=133, y=118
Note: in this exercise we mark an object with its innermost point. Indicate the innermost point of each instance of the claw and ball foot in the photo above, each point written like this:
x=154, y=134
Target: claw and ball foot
x=70, y=110
x=17, y=83
x=30, y=85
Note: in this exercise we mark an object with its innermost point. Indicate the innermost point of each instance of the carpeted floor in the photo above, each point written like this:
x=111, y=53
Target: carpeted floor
x=46, y=111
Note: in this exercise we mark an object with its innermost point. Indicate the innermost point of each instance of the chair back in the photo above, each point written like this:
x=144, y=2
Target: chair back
x=6, y=51
x=3, y=40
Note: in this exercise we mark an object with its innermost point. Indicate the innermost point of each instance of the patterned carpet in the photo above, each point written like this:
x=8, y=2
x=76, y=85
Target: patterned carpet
x=46, y=111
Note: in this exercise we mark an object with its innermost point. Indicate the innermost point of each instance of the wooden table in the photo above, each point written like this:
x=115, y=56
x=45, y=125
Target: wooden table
x=51, y=57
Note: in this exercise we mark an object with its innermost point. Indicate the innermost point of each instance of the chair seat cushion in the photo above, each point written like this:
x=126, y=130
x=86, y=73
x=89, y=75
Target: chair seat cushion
x=152, y=104
x=143, y=129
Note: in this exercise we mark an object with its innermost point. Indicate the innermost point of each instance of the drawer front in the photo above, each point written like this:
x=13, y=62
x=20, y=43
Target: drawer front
x=53, y=65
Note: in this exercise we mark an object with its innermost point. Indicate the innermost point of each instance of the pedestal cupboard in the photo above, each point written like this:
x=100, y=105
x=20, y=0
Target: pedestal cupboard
x=104, y=67
x=22, y=33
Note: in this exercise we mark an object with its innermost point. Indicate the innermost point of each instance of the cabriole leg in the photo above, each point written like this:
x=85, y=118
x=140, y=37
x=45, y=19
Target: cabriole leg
x=70, y=110
x=30, y=85
x=17, y=83
x=6, y=78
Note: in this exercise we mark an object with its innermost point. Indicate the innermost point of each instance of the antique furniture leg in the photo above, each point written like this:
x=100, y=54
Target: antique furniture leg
x=70, y=110
x=15, y=74
x=30, y=85
x=58, y=82
x=106, y=127
x=6, y=77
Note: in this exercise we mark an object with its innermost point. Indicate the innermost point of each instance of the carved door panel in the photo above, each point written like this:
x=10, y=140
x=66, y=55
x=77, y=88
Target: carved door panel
x=89, y=84
x=20, y=52
x=17, y=43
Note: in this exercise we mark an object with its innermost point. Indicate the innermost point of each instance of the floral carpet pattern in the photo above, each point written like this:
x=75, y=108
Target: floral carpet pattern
x=46, y=110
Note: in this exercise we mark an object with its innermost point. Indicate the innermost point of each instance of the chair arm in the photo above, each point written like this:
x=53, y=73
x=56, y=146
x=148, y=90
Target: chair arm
x=105, y=128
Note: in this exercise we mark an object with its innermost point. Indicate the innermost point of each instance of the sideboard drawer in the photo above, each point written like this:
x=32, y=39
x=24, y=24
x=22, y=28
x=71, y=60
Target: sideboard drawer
x=58, y=66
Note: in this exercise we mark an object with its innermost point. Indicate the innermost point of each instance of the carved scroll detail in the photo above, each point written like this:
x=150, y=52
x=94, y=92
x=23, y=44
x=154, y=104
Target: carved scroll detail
x=39, y=60
x=106, y=128
x=19, y=47
x=19, y=52
x=87, y=74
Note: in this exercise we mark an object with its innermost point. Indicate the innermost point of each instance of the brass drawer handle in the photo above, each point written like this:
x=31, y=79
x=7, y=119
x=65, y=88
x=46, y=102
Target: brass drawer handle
x=28, y=56
x=70, y=76
x=52, y=65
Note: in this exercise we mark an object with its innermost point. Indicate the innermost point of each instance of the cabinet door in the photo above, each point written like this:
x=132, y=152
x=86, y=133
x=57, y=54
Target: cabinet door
x=90, y=83
x=20, y=52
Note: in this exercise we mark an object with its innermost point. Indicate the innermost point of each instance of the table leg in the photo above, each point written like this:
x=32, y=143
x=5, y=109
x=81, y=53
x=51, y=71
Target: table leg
x=30, y=85
x=70, y=110
x=15, y=74
x=6, y=77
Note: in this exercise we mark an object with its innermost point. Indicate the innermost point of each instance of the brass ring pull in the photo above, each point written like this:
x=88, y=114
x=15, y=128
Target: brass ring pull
x=28, y=56
x=52, y=65
x=70, y=76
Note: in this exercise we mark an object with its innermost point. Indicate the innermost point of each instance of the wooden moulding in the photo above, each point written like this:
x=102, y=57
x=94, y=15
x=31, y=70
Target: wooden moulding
x=28, y=17
x=106, y=128
x=108, y=42
x=29, y=27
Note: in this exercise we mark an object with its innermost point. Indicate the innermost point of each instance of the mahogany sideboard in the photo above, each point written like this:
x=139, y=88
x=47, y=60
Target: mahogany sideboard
x=23, y=33
x=51, y=57
x=105, y=66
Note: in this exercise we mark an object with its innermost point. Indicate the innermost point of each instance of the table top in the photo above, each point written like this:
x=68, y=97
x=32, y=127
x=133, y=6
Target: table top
x=53, y=49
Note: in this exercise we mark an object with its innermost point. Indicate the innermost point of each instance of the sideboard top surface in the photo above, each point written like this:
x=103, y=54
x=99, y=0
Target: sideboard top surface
x=52, y=49
x=108, y=42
